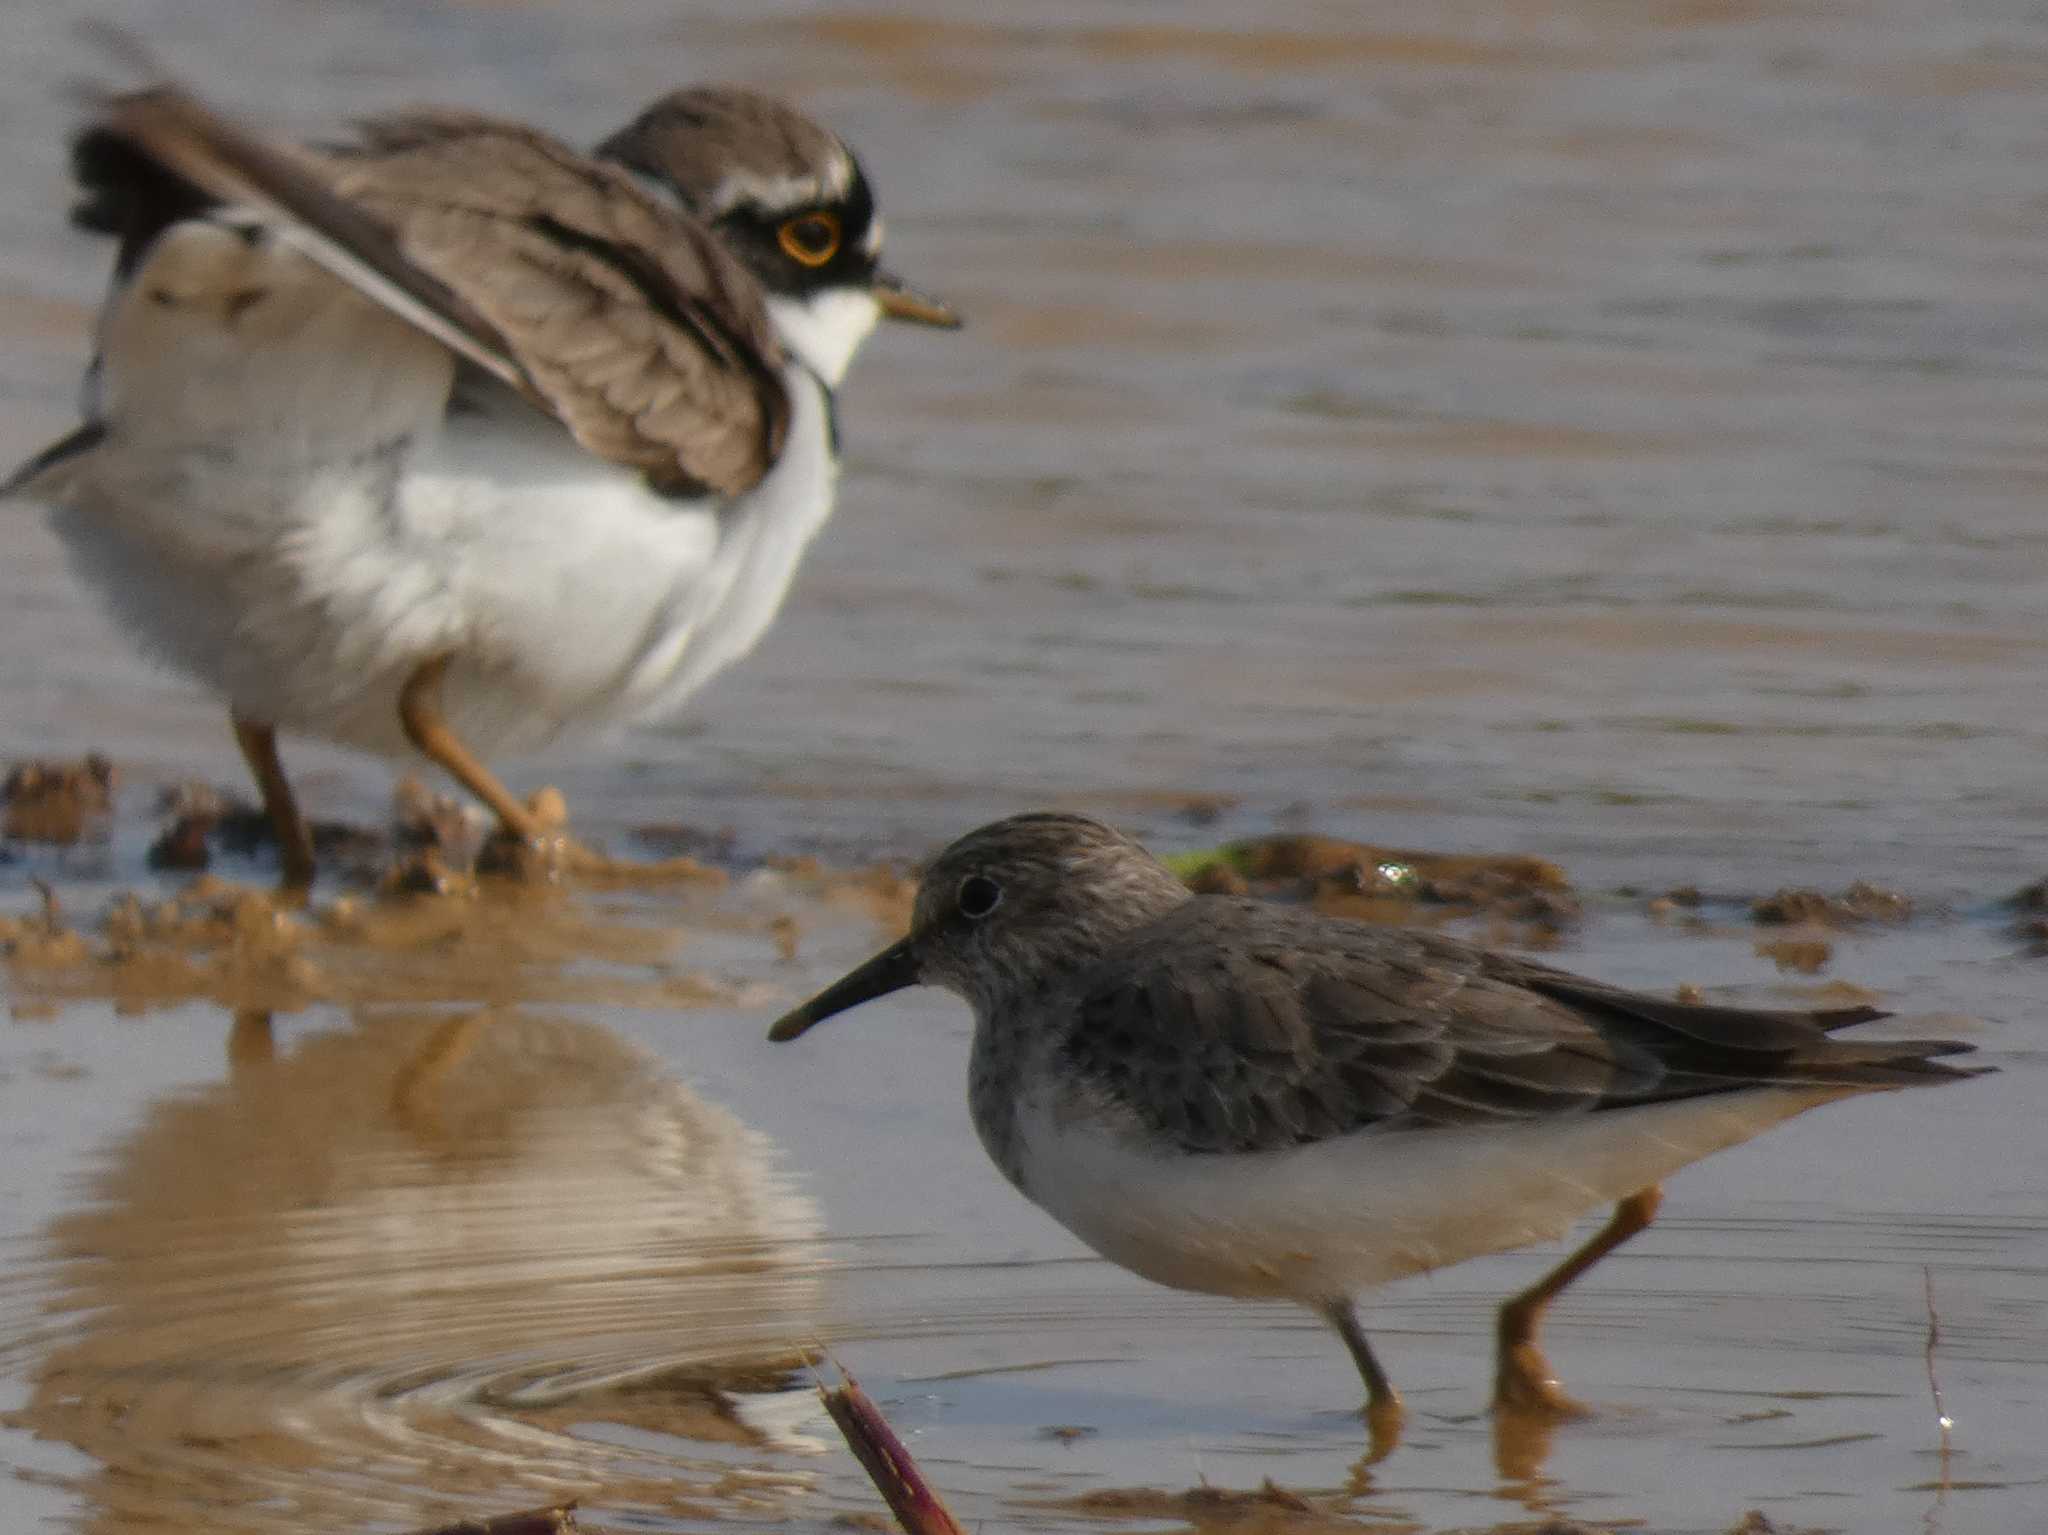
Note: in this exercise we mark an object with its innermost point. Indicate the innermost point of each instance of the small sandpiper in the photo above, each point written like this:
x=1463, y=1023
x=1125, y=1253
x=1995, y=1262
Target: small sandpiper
x=1246, y=1099
x=452, y=437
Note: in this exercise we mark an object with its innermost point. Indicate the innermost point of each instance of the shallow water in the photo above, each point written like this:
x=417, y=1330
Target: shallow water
x=1611, y=432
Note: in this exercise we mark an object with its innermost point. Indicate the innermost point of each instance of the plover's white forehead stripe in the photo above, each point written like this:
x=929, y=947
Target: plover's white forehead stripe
x=769, y=193
x=837, y=174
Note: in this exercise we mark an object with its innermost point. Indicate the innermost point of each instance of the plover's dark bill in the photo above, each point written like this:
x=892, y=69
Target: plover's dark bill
x=453, y=438
x=1246, y=1099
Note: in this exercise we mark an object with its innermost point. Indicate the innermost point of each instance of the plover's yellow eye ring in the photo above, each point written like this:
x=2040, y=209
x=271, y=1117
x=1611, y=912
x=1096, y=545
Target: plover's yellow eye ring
x=979, y=895
x=810, y=239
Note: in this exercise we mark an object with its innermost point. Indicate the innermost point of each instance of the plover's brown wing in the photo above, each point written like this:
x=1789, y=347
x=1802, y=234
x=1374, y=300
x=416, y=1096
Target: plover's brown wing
x=555, y=274
x=1238, y=1026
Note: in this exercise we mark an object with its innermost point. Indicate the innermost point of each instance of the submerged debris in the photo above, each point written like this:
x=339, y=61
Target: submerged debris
x=887, y=1461
x=1801, y=953
x=1268, y=1507
x=558, y=1520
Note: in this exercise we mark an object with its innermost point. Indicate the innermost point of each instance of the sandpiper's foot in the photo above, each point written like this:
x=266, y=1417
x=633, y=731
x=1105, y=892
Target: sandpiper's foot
x=1384, y=1419
x=1523, y=1382
x=1522, y=1442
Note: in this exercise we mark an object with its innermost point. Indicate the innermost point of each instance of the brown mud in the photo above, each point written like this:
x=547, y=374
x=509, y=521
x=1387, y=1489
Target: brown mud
x=541, y=1121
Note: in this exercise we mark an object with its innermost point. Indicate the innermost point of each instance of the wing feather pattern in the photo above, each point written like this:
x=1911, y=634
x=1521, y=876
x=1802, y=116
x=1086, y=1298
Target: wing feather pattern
x=554, y=273
x=1235, y=1025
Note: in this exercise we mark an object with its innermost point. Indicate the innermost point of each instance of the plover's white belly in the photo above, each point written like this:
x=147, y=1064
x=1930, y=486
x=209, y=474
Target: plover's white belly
x=582, y=598
x=1315, y=1222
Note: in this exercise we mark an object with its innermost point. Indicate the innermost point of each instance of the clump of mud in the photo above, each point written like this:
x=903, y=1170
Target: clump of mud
x=1269, y=1507
x=1274, y=1510
x=431, y=842
x=2029, y=905
x=1369, y=883
x=247, y=947
x=1861, y=903
x=884, y=893
x=58, y=803
x=1800, y=925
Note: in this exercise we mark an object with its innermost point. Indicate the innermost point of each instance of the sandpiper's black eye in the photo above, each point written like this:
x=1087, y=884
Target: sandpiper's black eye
x=979, y=895
x=810, y=238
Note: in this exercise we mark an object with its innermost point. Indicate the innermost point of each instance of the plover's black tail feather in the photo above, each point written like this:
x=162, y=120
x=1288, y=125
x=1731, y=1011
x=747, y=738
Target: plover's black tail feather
x=128, y=194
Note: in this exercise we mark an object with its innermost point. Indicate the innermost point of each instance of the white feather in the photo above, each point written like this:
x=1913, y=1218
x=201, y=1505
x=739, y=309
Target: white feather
x=1317, y=1222
x=826, y=329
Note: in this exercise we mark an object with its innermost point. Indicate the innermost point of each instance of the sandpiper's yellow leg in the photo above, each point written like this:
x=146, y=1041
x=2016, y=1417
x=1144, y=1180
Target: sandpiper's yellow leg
x=1523, y=1381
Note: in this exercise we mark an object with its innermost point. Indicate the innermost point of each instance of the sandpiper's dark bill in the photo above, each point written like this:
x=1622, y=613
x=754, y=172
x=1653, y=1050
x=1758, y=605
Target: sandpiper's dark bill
x=1231, y=1096
x=891, y=970
x=452, y=437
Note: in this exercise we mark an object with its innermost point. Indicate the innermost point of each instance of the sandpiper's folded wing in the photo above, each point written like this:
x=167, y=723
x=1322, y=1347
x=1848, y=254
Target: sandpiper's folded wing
x=551, y=272
x=1233, y=1025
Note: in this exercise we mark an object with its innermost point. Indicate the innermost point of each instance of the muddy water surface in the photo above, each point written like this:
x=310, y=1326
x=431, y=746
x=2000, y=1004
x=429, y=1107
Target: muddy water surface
x=1608, y=432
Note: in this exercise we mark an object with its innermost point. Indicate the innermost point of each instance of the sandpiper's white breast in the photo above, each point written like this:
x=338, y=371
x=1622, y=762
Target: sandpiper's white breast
x=1312, y=1223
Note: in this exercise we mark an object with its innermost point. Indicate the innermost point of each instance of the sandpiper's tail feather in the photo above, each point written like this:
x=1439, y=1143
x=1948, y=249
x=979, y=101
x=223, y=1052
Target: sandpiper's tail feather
x=1878, y=1063
x=1703, y=1047
x=1762, y=1030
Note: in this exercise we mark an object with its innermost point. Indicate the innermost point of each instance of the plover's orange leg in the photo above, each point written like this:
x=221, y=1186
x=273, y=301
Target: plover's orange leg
x=294, y=840
x=415, y=1091
x=1384, y=1413
x=1522, y=1378
x=419, y=710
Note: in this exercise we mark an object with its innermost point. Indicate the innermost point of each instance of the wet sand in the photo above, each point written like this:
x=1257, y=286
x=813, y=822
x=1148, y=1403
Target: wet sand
x=1608, y=435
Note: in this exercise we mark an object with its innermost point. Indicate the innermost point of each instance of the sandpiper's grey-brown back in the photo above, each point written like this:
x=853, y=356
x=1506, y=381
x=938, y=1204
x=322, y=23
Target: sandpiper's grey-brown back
x=1231, y=1096
x=452, y=437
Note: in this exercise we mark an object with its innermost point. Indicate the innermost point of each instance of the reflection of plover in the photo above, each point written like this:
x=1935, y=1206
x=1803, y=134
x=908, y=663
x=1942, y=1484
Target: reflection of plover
x=453, y=436
x=1251, y=1100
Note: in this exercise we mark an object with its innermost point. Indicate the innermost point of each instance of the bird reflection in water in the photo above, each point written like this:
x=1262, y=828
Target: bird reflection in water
x=420, y=1265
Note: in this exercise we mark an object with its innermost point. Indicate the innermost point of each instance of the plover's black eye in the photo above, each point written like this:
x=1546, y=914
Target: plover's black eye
x=810, y=238
x=979, y=895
